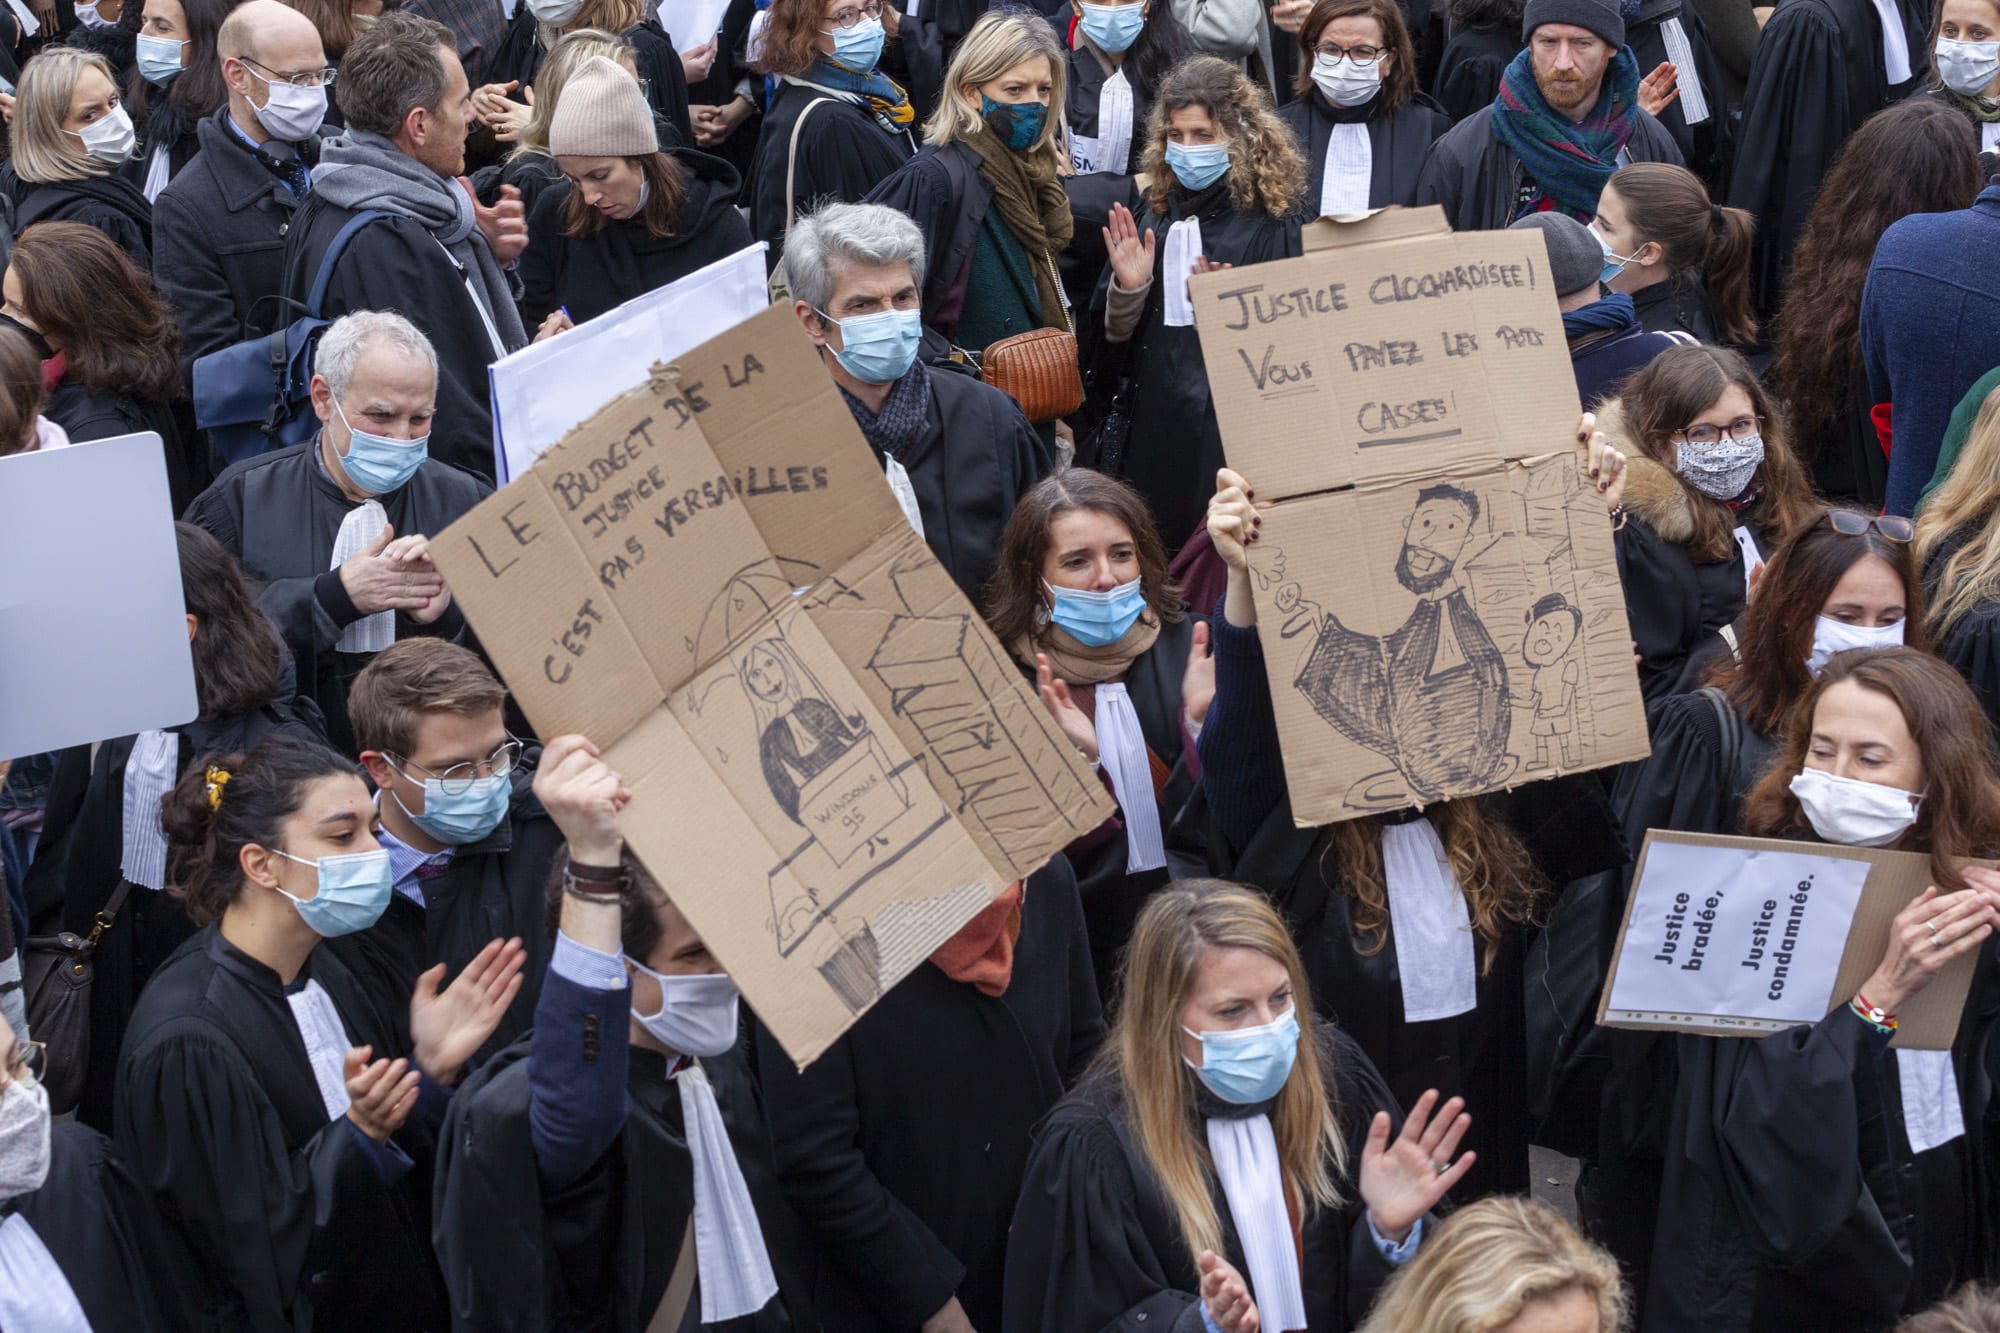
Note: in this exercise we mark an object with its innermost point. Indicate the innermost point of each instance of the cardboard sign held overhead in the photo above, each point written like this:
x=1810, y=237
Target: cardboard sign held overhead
x=1436, y=588
x=1738, y=937
x=834, y=765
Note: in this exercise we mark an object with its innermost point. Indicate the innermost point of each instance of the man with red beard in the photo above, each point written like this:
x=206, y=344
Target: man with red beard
x=1566, y=117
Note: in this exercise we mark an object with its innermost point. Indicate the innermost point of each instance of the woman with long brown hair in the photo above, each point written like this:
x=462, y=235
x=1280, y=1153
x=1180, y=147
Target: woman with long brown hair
x=1919, y=156
x=1082, y=598
x=1226, y=181
x=1684, y=260
x=626, y=217
x=1230, y=1161
x=1712, y=487
x=1814, y=1177
x=1416, y=920
x=110, y=352
x=1360, y=120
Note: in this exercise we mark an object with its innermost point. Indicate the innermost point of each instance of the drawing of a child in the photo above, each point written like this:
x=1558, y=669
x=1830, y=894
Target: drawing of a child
x=1553, y=629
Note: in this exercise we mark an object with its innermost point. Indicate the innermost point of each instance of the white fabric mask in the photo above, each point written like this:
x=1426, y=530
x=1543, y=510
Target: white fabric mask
x=1344, y=83
x=1836, y=636
x=1967, y=68
x=24, y=1139
x=1854, y=813
x=292, y=114
x=697, y=1014
x=109, y=138
x=555, y=13
x=87, y=15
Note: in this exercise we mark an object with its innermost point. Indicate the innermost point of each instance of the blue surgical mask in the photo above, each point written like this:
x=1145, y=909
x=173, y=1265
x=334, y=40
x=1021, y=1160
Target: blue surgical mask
x=1614, y=264
x=1097, y=618
x=376, y=463
x=856, y=49
x=1248, y=1065
x=1198, y=165
x=461, y=817
x=1016, y=124
x=353, y=892
x=159, y=59
x=1113, y=28
x=878, y=348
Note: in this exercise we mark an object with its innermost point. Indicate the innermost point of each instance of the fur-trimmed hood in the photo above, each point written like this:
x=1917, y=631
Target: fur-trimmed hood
x=1653, y=494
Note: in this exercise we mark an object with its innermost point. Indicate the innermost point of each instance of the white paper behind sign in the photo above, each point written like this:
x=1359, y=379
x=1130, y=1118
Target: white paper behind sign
x=1729, y=933
x=548, y=389
x=690, y=23
x=93, y=630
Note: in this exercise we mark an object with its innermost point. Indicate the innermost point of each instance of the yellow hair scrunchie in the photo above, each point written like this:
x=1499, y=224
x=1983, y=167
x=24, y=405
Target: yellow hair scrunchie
x=218, y=778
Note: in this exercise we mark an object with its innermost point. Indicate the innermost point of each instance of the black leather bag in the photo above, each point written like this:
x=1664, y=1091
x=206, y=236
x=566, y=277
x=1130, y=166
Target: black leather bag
x=56, y=972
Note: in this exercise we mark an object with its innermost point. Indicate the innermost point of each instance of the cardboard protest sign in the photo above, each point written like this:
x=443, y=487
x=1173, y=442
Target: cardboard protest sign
x=1744, y=936
x=1436, y=588
x=102, y=650
x=547, y=389
x=834, y=765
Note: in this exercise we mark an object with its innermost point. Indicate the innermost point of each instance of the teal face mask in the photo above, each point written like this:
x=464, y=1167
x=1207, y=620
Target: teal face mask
x=1198, y=165
x=1016, y=124
x=353, y=892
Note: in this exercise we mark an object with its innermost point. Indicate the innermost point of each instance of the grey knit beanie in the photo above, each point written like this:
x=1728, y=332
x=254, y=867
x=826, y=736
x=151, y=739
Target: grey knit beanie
x=602, y=113
x=1600, y=16
x=1575, y=257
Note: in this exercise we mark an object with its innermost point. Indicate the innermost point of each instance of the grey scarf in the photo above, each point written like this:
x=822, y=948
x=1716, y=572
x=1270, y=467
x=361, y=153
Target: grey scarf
x=360, y=170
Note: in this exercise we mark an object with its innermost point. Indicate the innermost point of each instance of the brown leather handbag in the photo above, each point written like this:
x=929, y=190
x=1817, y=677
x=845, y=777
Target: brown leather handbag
x=1039, y=369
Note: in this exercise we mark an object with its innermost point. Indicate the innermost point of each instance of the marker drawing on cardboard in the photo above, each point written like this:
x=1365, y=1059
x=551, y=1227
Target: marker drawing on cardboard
x=833, y=766
x=1436, y=588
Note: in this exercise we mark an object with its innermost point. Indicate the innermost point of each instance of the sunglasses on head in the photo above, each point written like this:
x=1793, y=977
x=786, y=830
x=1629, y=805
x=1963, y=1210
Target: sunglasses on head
x=1848, y=523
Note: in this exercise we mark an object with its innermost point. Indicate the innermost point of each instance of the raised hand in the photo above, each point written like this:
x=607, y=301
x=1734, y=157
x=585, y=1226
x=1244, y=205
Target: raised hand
x=1605, y=464
x=1131, y=249
x=1402, y=1181
x=1198, y=678
x=1232, y=518
x=448, y=1028
x=1075, y=723
x=1226, y=1295
x=1934, y=929
x=379, y=1095
x=1660, y=88
x=583, y=796
x=505, y=225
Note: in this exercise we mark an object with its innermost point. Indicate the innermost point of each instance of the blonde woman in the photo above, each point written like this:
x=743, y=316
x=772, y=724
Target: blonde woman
x=1226, y=182
x=1958, y=550
x=71, y=134
x=1225, y=1160
x=513, y=78
x=1504, y=1265
x=529, y=166
x=987, y=188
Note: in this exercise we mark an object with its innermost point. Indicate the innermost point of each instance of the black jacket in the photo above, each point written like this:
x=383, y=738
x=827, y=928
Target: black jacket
x=97, y=1227
x=1398, y=143
x=902, y=1147
x=1468, y=76
x=85, y=413
x=170, y=125
x=520, y=56
x=589, y=275
x=1476, y=178
x=843, y=153
x=219, y=241
x=1679, y=305
x=111, y=204
x=394, y=263
x=945, y=194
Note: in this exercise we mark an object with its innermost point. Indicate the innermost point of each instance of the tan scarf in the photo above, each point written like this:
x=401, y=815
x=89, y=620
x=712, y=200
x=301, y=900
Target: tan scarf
x=1077, y=663
x=982, y=953
x=1032, y=203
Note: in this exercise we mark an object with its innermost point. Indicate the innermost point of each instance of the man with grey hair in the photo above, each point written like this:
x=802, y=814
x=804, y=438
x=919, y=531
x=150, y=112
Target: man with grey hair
x=334, y=529
x=958, y=453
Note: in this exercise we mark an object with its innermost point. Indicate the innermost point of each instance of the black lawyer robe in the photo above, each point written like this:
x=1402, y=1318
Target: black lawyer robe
x=588, y=275
x=111, y=204
x=86, y=413
x=1398, y=141
x=1972, y=644
x=1097, y=1248
x=78, y=867
x=1175, y=445
x=730, y=69
x=901, y=1148
x=276, y=1216
x=974, y=459
x=597, y=1255
x=279, y=513
x=1091, y=194
x=843, y=153
x=493, y=889
x=1469, y=73
x=1792, y=1196
x=1818, y=74
x=1646, y=35
x=98, y=1229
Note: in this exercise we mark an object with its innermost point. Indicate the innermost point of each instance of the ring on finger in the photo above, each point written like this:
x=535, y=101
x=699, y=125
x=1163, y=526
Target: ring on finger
x=1439, y=1167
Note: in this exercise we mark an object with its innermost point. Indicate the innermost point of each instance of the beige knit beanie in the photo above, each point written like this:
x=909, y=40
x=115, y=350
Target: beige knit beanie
x=602, y=113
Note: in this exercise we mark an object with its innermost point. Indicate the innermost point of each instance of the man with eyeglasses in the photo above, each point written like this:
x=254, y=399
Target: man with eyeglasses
x=469, y=847
x=1567, y=115
x=75, y=1236
x=219, y=226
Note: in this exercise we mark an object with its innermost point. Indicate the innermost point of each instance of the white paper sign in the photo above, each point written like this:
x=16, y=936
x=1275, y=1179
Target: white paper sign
x=691, y=23
x=93, y=626
x=1725, y=933
x=548, y=389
